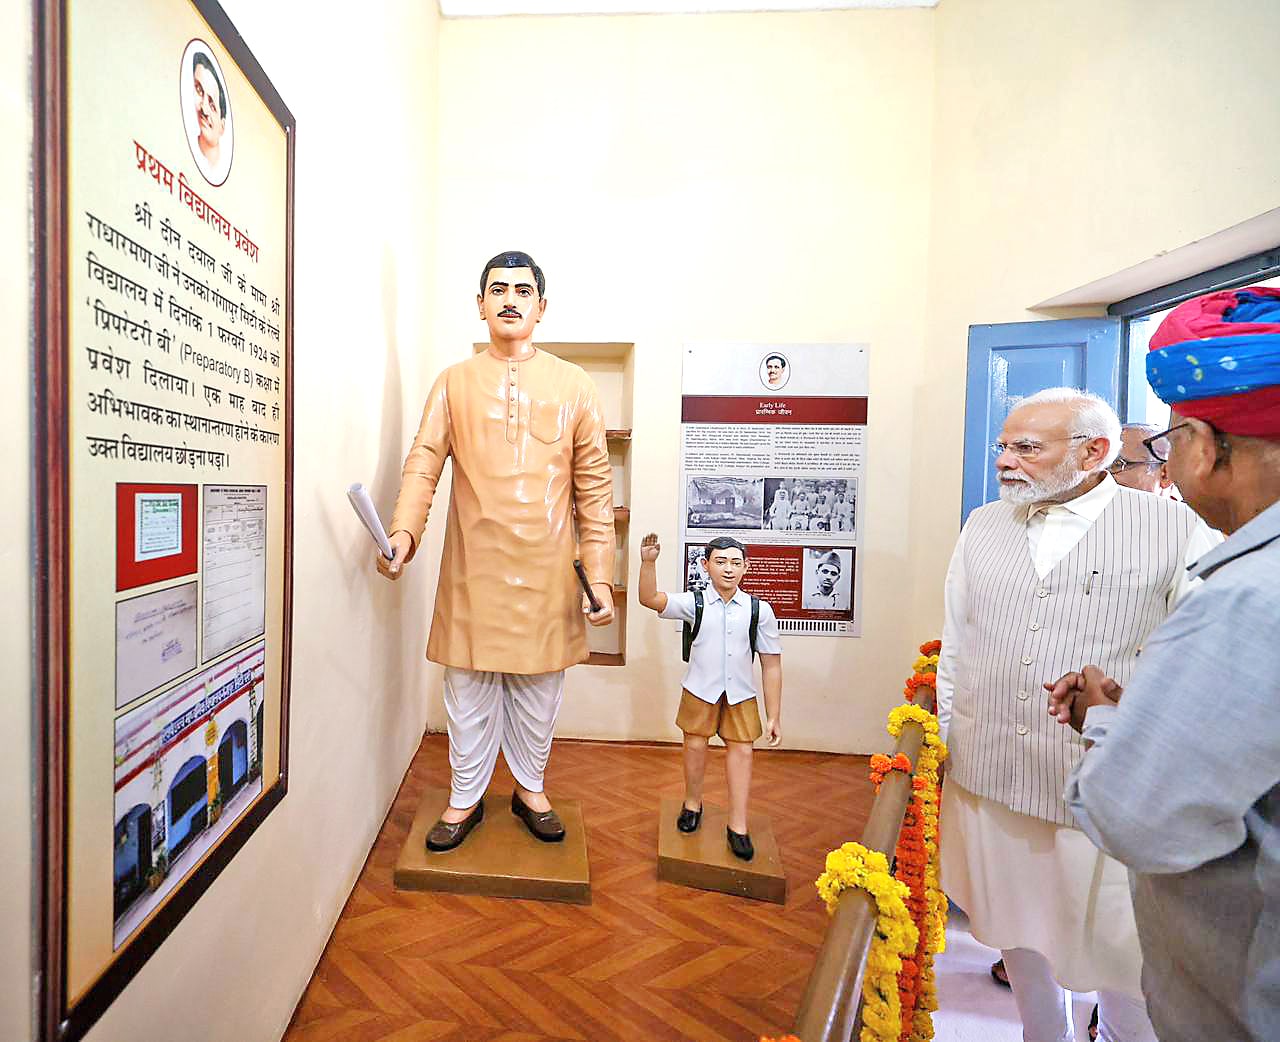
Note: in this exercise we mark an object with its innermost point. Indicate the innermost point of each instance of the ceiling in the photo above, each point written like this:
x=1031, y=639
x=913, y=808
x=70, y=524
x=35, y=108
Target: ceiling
x=494, y=8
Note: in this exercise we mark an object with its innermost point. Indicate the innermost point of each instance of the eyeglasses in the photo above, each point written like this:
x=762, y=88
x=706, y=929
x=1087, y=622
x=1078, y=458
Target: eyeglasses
x=1158, y=444
x=1025, y=449
x=1120, y=463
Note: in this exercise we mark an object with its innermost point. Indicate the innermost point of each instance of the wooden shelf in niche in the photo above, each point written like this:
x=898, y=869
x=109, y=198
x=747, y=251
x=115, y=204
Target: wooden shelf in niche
x=611, y=366
x=606, y=658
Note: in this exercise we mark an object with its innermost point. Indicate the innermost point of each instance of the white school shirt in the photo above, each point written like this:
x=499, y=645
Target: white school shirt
x=720, y=659
x=1053, y=529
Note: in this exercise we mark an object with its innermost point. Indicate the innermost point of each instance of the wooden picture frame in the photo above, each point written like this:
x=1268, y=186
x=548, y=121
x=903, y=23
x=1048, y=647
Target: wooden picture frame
x=61, y=1017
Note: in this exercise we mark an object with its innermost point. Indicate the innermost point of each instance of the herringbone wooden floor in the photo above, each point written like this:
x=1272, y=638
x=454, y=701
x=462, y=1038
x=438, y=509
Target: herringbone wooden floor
x=645, y=961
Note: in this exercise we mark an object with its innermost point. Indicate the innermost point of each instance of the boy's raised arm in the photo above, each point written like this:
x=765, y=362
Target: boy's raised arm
x=650, y=595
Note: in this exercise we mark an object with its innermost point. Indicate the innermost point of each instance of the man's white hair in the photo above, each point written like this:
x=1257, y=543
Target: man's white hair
x=1092, y=416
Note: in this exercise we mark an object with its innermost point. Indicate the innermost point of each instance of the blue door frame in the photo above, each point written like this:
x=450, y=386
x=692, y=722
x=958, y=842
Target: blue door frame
x=1014, y=359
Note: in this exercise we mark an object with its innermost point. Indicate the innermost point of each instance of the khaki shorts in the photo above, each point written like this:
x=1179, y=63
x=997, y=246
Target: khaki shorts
x=736, y=723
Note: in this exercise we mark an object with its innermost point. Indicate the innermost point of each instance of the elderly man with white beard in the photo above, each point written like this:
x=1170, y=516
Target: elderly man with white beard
x=1067, y=564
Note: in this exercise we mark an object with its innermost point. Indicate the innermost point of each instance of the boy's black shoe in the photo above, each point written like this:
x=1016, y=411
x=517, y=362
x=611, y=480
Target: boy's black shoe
x=740, y=844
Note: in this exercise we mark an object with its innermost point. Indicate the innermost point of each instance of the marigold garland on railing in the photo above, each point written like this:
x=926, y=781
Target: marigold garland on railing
x=853, y=866
x=917, y=866
x=899, y=992
x=882, y=766
x=925, y=669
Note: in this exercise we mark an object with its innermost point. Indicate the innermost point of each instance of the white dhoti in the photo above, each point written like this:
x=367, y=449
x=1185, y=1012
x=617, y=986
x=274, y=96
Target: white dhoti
x=492, y=711
x=1027, y=883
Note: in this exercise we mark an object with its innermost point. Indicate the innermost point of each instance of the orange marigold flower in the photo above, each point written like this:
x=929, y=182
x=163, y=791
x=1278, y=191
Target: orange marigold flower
x=931, y=647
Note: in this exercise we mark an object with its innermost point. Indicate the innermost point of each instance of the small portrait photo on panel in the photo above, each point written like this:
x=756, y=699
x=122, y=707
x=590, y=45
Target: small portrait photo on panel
x=696, y=577
x=206, y=111
x=827, y=581
x=775, y=371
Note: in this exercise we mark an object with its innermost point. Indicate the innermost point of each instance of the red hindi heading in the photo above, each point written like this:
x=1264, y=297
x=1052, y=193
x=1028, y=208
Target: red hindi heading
x=710, y=408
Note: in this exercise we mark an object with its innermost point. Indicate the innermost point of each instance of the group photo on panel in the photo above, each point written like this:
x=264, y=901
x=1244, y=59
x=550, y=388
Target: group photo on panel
x=1105, y=824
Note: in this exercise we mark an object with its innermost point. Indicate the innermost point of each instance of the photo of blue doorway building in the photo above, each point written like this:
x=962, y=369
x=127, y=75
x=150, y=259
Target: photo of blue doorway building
x=188, y=763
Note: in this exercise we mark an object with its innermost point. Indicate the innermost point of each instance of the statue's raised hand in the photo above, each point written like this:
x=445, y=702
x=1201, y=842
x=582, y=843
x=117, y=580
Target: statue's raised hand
x=650, y=547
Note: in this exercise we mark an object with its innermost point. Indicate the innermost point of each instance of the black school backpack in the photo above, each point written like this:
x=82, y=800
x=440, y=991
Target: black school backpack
x=691, y=632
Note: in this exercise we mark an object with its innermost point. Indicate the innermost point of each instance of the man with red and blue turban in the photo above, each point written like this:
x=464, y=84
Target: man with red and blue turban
x=1182, y=781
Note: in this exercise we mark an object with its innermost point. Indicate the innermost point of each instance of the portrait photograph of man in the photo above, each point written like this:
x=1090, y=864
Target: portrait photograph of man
x=827, y=579
x=775, y=371
x=206, y=112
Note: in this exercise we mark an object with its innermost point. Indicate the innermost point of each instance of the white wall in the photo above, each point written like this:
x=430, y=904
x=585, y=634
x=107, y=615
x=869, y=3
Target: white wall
x=731, y=177
x=364, y=298
x=1071, y=142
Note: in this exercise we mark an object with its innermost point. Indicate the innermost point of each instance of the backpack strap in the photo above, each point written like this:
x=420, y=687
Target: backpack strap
x=755, y=624
x=691, y=633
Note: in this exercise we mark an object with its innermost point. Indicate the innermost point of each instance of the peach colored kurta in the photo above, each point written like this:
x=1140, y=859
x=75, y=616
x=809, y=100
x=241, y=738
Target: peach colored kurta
x=528, y=445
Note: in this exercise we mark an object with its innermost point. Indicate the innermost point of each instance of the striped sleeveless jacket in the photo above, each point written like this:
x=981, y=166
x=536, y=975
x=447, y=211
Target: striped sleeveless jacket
x=1096, y=606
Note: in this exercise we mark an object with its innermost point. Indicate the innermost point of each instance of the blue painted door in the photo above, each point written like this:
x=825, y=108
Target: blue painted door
x=1015, y=359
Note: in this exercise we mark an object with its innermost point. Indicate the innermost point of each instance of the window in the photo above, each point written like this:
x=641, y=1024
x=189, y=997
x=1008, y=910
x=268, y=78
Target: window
x=1141, y=315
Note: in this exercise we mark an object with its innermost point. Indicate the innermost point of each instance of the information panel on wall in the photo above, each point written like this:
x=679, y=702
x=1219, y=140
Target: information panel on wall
x=164, y=511
x=773, y=453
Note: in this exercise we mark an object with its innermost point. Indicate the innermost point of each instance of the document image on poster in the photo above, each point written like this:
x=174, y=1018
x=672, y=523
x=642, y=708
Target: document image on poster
x=155, y=640
x=773, y=452
x=187, y=765
x=235, y=566
x=158, y=517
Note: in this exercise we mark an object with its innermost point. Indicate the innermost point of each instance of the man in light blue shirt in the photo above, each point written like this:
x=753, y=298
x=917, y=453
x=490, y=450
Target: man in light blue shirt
x=719, y=695
x=1182, y=778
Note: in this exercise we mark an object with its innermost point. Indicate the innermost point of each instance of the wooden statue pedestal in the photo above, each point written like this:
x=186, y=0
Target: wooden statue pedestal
x=500, y=858
x=703, y=859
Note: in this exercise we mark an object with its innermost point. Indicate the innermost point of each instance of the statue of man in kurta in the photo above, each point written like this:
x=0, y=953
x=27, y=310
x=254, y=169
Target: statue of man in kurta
x=532, y=491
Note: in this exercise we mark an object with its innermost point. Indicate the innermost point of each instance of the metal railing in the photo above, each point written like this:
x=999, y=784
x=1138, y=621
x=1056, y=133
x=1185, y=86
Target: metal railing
x=829, y=1010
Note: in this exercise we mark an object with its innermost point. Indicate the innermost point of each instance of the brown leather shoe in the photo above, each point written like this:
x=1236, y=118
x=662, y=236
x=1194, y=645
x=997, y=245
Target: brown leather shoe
x=544, y=824
x=445, y=835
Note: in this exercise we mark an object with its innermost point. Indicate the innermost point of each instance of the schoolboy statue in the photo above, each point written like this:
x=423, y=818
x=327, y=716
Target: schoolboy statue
x=527, y=438
x=719, y=695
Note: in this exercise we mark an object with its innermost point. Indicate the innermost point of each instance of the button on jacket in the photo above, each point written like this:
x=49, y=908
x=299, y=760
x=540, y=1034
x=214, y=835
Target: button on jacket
x=527, y=439
x=720, y=659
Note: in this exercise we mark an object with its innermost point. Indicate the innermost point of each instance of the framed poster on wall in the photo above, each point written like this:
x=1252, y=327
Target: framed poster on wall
x=164, y=510
x=773, y=453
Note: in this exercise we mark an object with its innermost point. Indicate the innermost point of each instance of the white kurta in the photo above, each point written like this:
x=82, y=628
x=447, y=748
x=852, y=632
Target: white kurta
x=1028, y=883
x=1024, y=881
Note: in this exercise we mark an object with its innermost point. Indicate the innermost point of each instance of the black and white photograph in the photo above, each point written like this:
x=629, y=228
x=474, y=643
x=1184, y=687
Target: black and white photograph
x=725, y=502
x=696, y=577
x=827, y=579
x=810, y=504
